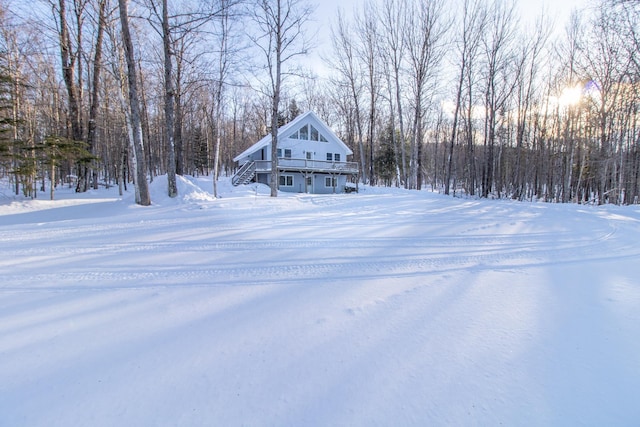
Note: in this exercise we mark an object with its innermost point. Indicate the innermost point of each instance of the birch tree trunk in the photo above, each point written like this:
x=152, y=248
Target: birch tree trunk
x=95, y=93
x=141, y=186
x=169, y=94
x=223, y=64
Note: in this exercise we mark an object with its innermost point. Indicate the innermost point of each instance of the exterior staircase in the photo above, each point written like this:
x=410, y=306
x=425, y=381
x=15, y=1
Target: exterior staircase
x=245, y=174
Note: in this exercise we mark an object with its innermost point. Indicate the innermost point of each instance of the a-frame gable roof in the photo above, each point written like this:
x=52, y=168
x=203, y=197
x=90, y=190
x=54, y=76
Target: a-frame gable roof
x=292, y=126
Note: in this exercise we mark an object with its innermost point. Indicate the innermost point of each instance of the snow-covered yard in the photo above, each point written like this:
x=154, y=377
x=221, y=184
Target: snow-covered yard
x=386, y=307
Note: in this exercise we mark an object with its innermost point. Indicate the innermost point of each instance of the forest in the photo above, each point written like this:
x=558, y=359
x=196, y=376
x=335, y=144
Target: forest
x=464, y=98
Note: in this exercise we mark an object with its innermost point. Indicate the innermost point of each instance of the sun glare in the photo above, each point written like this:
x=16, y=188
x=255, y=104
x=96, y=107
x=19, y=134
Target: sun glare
x=570, y=96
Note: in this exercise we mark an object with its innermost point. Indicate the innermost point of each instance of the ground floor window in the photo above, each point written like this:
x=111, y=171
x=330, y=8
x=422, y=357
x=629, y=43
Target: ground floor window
x=286, y=180
x=330, y=182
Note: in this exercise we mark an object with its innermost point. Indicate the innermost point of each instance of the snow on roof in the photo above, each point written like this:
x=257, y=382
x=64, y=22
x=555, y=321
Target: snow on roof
x=284, y=130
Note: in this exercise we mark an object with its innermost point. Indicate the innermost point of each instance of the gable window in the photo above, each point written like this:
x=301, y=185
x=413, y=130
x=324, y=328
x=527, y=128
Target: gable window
x=279, y=150
x=314, y=133
x=286, y=180
x=336, y=157
x=308, y=133
x=329, y=157
x=304, y=133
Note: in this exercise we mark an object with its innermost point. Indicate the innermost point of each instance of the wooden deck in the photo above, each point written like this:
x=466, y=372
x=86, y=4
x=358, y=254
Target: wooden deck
x=309, y=166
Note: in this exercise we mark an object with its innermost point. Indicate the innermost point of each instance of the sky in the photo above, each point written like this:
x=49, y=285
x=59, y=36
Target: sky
x=326, y=12
x=326, y=9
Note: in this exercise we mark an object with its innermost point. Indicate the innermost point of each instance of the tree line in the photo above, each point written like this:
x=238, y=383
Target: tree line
x=466, y=97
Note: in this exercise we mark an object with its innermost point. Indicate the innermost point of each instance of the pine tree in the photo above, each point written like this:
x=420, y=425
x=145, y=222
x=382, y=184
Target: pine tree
x=7, y=122
x=55, y=150
x=385, y=159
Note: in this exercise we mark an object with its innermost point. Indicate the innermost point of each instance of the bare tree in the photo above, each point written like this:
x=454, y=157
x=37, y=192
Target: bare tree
x=604, y=59
x=368, y=51
x=71, y=66
x=224, y=63
x=169, y=100
x=530, y=56
x=424, y=38
x=350, y=79
x=118, y=73
x=393, y=16
x=280, y=36
x=499, y=80
x=95, y=93
x=474, y=20
x=525, y=142
x=169, y=93
x=173, y=28
x=141, y=187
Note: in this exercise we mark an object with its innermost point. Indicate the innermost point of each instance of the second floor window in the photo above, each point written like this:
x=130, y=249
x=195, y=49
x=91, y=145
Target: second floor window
x=308, y=133
x=287, y=153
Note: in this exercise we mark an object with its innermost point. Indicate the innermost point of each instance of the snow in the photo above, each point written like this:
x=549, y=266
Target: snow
x=386, y=307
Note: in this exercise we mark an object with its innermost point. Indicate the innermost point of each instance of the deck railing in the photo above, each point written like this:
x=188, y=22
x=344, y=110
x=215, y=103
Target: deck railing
x=307, y=165
x=244, y=174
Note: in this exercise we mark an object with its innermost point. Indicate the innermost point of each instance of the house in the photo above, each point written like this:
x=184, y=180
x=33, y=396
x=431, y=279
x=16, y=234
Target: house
x=311, y=159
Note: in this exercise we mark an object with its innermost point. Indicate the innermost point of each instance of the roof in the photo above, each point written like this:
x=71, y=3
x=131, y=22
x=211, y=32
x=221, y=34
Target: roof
x=284, y=130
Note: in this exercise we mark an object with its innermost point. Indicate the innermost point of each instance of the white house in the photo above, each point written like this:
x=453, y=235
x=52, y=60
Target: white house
x=311, y=159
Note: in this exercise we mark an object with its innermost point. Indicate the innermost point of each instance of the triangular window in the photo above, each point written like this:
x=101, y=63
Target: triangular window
x=314, y=133
x=308, y=133
x=304, y=133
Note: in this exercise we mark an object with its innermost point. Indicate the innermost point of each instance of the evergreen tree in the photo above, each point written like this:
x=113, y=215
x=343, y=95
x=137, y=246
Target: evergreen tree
x=385, y=159
x=55, y=150
x=11, y=149
x=201, y=153
x=294, y=111
x=7, y=122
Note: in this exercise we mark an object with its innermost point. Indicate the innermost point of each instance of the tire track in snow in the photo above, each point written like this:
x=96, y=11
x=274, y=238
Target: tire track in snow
x=304, y=270
x=439, y=245
x=506, y=242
